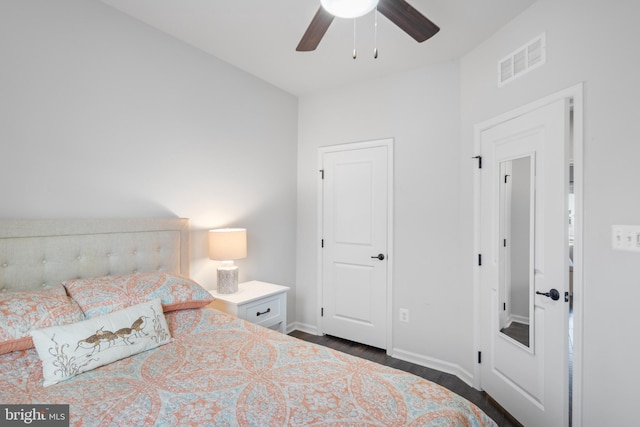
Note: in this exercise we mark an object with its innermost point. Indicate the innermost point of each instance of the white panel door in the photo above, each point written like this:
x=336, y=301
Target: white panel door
x=354, y=257
x=531, y=380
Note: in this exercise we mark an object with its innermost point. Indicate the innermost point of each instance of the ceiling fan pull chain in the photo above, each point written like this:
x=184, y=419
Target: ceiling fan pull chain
x=355, y=53
x=375, y=35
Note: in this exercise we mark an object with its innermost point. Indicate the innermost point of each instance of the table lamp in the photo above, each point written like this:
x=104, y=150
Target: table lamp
x=226, y=245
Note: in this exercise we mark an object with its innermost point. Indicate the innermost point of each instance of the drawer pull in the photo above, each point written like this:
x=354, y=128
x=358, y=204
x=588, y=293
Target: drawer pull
x=264, y=312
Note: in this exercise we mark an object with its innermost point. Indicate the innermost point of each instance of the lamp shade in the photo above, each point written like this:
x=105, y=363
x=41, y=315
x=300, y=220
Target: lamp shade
x=227, y=244
x=348, y=8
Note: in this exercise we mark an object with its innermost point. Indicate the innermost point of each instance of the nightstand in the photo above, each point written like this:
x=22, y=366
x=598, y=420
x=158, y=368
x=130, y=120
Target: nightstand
x=258, y=302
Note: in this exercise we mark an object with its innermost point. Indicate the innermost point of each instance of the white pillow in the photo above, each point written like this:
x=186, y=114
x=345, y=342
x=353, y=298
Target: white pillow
x=68, y=350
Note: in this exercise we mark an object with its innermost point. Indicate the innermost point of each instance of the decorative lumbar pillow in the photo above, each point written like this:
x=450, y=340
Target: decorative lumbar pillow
x=102, y=295
x=69, y=350
x=21, y=312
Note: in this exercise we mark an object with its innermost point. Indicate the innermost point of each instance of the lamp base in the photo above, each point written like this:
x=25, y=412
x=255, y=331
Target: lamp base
x=227, y=280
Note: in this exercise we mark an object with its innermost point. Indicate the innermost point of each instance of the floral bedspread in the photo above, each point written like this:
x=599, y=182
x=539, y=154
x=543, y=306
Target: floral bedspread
x=221, y=371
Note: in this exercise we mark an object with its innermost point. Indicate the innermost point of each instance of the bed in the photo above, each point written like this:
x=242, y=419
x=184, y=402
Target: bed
x=204, y=367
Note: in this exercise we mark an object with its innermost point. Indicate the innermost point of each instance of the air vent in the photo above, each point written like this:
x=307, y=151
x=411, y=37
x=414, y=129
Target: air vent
x=522, y=60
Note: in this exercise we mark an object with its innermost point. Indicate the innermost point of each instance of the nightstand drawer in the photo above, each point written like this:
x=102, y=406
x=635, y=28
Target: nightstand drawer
x=258, y=302
x=264, y=311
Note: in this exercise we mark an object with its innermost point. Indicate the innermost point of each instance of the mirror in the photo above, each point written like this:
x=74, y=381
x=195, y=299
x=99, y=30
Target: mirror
x=516, y=249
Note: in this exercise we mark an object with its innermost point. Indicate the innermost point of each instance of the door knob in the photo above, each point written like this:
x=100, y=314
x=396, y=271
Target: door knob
x=553, y=294
x=379, y=256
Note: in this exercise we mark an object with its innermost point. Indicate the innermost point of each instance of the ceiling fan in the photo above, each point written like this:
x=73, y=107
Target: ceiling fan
x=399, y=12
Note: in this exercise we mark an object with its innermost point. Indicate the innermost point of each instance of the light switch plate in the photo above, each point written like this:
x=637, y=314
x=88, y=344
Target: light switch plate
x=625, y=237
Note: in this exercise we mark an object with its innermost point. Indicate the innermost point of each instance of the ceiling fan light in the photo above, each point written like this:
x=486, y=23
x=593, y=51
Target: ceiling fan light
x=349, y=8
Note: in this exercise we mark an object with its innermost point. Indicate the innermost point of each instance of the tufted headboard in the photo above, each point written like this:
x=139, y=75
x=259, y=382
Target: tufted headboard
x=41, y=253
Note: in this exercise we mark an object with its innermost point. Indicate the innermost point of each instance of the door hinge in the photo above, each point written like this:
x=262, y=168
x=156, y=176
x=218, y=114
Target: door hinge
x=504, y=306
x=479, y=161
x=321, y=173
x=479, y=357
x=504, y=243
x=505, y=178
x=322, y=243
x=479, y=259
x=321, y=311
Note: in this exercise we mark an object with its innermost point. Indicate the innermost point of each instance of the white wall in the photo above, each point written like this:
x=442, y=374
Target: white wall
x=591, y=41
x=102, y=116
x=420, y=110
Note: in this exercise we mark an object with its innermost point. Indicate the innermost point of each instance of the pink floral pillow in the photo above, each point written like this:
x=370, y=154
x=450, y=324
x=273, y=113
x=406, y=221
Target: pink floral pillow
x=102, y=295
x=21, y=312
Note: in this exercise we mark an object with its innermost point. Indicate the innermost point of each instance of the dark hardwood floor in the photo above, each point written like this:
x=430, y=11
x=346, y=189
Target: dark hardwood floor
x=518, y=331
x=453, y=383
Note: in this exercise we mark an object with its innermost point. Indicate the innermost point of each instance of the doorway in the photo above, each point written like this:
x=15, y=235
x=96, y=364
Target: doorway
x=530, y=377
x=355, y=234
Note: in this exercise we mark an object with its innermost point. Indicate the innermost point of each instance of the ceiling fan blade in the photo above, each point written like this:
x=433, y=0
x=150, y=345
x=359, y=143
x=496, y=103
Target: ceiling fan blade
x=408, y=19
x=318, y=26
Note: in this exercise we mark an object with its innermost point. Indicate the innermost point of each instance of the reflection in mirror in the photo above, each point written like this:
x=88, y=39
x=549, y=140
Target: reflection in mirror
x=516, y=224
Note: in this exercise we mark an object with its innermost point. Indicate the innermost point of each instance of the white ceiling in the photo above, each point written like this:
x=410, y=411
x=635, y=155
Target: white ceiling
x=260, y=36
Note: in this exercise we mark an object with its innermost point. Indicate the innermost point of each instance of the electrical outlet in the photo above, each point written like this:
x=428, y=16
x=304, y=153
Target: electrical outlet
x=404, y=315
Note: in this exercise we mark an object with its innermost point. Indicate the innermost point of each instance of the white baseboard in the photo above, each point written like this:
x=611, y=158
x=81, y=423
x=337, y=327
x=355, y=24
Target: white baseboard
x=302, y=327
x=520, y=319
x=407, y=356
x=439, y=365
